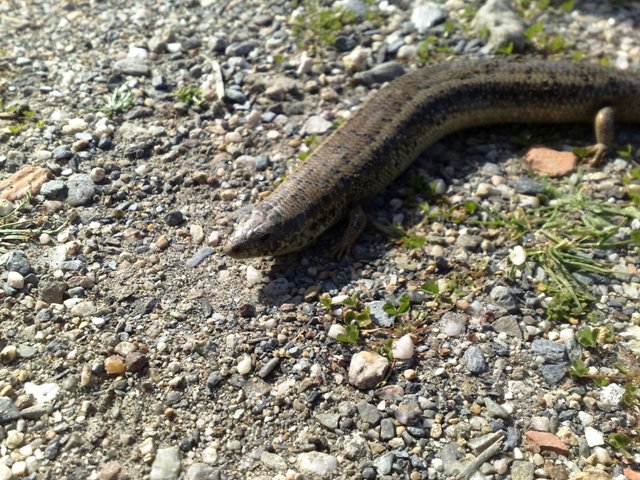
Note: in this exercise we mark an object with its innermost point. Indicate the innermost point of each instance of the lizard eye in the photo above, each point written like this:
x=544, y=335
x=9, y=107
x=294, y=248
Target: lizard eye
x=265, y=237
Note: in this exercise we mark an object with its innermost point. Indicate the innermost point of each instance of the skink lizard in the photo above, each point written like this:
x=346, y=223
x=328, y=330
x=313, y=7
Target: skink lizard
x=412, y=112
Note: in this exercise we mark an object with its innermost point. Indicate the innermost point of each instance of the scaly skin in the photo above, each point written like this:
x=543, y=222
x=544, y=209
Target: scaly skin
x=399, y=122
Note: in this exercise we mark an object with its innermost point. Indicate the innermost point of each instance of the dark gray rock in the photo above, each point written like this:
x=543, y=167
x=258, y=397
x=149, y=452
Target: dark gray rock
x=551, y=352
x=8, y=411
x=53, y=189
x=62, y=152
x=474, y=360
x=369, y=413
x=509, y=325
x=15, y=261
x=81, y=190
x=385, y=72
x=553, y=373
x=199, y=256
x=503, y=297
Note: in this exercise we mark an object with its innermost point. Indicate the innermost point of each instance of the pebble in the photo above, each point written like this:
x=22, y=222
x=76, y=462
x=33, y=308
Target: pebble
x=335, y=330
x=550, y=162
x=6, y=207
x=518, y=255
x=200, y=471
x=367, y=369
x=166, y=465
x=551, y=352
x=114, y=365
x=254, y=276
x=593, y=437
x=320, y=464
x=453, y=324
x=273, y=461
x=425, y=15
x=80, y=190
x=474, y=361
x=356, y=60
x=385, y=72
x=503, y=297
x=384, y=463
x=244, y=365
x=547, y=441
x=315, y=124
x=509, y=325
x=505, y=26
x=201, y=255
x=403, y=348
x=15, y=280
x=408, y=413
x=495, y=410
x=8, y=411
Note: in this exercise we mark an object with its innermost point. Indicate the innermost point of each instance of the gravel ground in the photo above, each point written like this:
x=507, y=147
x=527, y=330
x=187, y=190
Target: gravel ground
x=132, y=347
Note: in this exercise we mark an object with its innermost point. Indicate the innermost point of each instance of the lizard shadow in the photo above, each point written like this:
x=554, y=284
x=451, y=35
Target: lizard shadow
x=299, y=277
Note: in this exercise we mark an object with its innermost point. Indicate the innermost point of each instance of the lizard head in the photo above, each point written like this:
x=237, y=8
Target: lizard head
x=264, y=233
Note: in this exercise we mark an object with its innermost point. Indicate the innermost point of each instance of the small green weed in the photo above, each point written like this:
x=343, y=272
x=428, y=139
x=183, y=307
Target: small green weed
x=354, y=316
x=404, y=303
x=116, y=103
x=190, y=95
x=319, y=25
x=18, y=228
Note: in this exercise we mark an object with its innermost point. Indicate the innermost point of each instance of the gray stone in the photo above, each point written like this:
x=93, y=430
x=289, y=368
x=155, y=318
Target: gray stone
x=454, y=324
x=8, y=411
x=553, y=373
x=378, y=315
x=408, y=413
x=502, y=297
x=239, y=49
x=316, y=124
x=166, y=465
x=356, y=447
x=426, y=15
x=36, y=411
x=136, y=67
x=473, y=359
x=528, y=186
x=385, y=72
x=387, y=429
x=199, y=256
x=504, y=25
x=51, y=289
x=522, y=470
x=15, y=261
x=509, y=325
x=317, y=463
x=551, y=352
x=369, y=413
x=201, y=471
x=469, y=242
x=62, y=152
x=384, y=463
x=81, y=190
x=328, y=420
x=495, y=410
x=71, y=265
x=273, y=461
x=53, y=189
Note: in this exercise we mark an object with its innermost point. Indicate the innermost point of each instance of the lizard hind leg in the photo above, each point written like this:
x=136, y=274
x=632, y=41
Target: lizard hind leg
x=605, y=136
x=357, y=222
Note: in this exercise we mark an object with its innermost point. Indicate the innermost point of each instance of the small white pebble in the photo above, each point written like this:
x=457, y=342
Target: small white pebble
x=244, y=365
x=253, y=276
x=518, y=255
x=6, y=207
x=403, y=348
x=15, y=280
x=337, y=329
